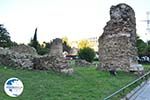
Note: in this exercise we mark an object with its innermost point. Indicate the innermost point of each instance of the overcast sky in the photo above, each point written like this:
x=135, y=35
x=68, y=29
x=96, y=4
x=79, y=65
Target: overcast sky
x=75, y=19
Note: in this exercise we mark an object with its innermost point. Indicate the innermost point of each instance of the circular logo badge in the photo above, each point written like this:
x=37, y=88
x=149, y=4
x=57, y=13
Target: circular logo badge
x=13, y=87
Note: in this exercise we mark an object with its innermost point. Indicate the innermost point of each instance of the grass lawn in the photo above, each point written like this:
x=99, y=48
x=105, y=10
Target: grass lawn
x=85, y=84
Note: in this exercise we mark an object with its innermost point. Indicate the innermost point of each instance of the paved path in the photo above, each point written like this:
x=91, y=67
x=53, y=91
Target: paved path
x=143, y=93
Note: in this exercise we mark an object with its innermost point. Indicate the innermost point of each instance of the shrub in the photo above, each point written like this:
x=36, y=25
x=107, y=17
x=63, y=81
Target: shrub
x=42, y=51
x=87, y=54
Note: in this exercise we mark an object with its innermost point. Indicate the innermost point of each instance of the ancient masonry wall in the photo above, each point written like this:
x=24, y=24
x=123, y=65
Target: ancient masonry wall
x=117, y=45
x=25, y=57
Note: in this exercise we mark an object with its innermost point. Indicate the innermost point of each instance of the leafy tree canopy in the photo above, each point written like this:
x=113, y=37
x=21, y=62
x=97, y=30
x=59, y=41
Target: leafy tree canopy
x=83, y=44
x=5, y=40
x=87, y=54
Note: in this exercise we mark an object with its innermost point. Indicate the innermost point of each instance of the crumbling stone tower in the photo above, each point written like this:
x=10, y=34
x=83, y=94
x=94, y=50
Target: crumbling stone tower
x=56, y=48
x=117, y=45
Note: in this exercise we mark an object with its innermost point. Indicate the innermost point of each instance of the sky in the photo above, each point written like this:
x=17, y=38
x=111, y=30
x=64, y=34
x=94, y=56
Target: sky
x=76, y=19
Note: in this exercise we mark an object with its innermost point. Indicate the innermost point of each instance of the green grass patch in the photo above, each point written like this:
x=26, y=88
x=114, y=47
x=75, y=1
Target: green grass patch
x=85, y=84
x=146, y=67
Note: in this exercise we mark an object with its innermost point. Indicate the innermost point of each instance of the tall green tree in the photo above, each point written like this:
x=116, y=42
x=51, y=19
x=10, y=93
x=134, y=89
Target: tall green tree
x=41, y=49
x=5, y=40
x=34, y=42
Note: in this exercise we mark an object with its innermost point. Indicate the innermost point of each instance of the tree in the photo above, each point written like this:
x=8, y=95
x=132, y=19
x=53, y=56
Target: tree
x=44, y=48
x=141, y=46
x=39, y=48
x=5, y=40
x=87, y=54
x=148, y=42
x=65, y=39
x=83, y=44
x=47, y=44
x=65, y=44
x=147, y=50
x=66, y=47
x=34, y=42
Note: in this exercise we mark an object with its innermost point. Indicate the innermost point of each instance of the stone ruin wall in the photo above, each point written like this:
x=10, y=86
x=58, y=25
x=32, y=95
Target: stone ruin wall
x=117, y=45
x=24, y=49
x=54, y=60
x=25, y=57
x=15, y=59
